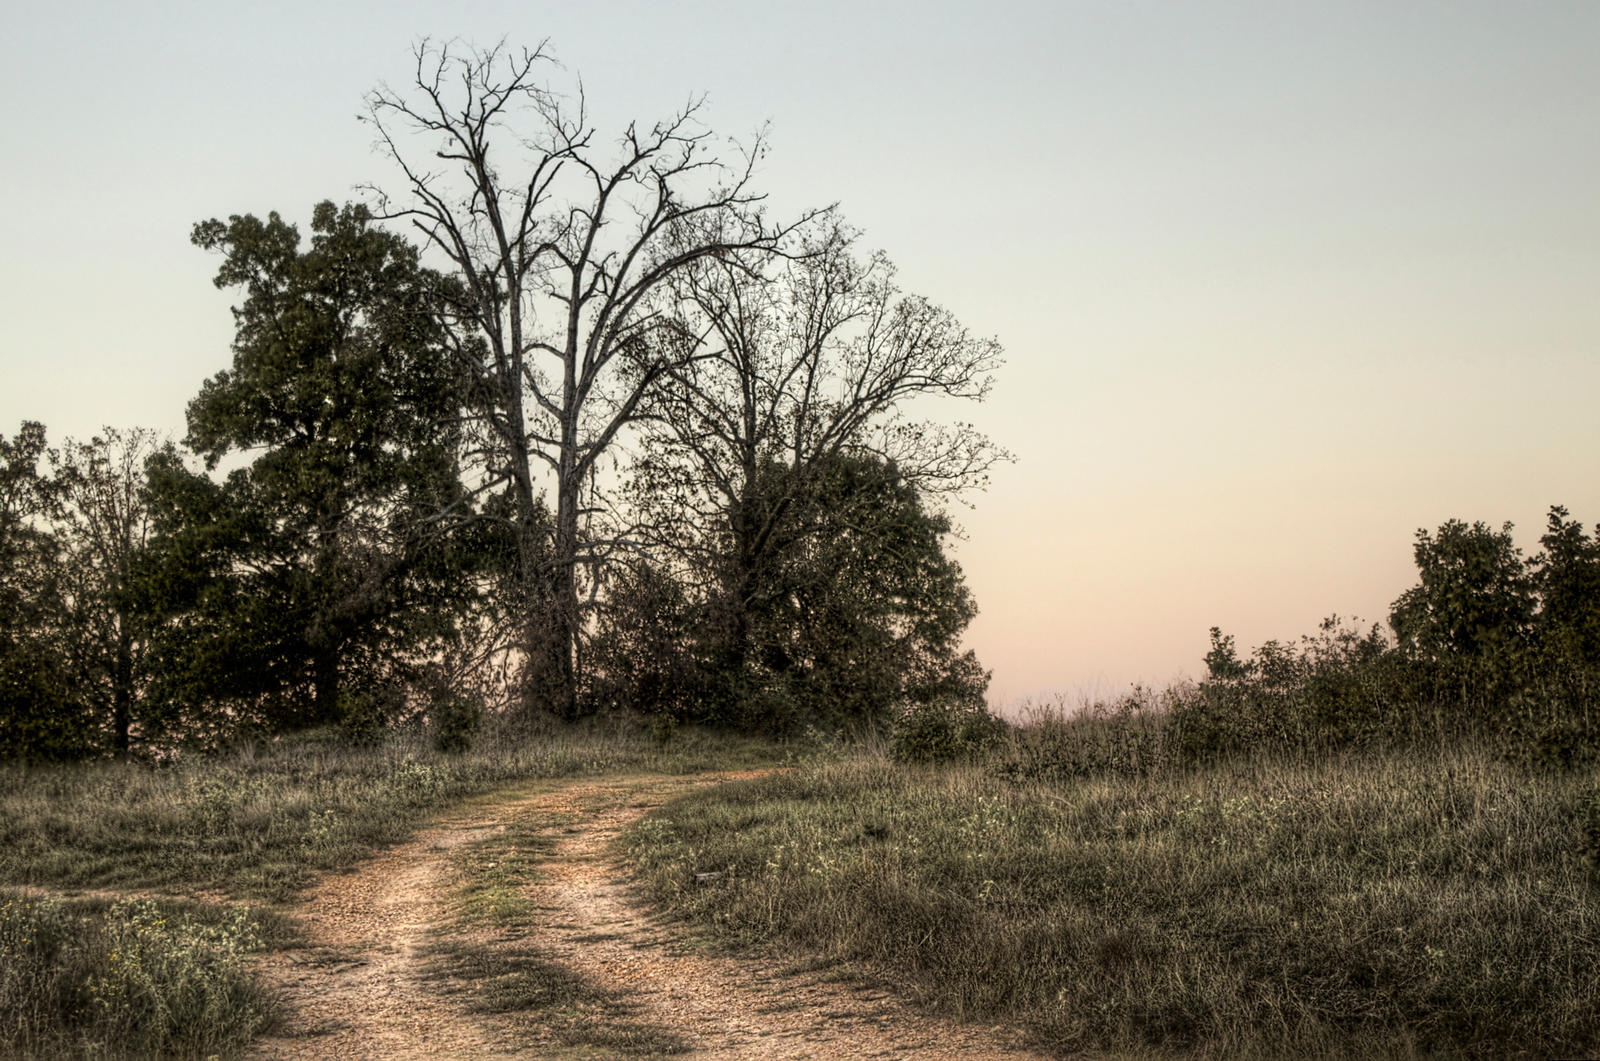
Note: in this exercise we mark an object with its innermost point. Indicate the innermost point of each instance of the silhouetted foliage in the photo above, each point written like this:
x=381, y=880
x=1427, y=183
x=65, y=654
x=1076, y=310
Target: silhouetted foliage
x=857, y=607
x=1567, y=579
x=1468, y=622
x=1328, y=690
x=327, y=553
x=44, y=707
x=783, y=481
x=646, y=652
x=103, y=526
x=1487, y=646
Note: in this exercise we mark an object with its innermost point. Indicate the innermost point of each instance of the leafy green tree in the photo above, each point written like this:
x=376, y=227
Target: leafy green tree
x=1475, y=599
x=1468, y=622
x=1567, y=576
x=860, y=606
x=328, y=551
x=771, y=447
x=103, y=524
x=646, y=651
x=43, y=709
x=27, y=502
x=853, y=611
x=1222, y=660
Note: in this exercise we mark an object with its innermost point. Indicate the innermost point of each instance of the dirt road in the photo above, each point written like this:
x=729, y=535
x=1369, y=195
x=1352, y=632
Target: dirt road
x=391, y=972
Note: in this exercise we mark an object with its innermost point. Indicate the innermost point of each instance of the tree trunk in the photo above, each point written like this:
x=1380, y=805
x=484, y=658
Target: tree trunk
x=122, y=690
x=325, y=685
x=564, y=599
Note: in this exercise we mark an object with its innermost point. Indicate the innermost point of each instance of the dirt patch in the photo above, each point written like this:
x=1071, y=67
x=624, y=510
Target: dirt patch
x=368, y=988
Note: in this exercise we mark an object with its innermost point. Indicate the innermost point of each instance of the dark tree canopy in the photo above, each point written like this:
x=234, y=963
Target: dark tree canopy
x=312, y=557
x=856, y=606
x=104, y=527
x=851, y=611
x=1474, y=604
x=784, y=478
x=1567, y=576
x=43, y=709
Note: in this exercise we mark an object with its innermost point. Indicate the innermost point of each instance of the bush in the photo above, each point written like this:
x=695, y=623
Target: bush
x=455, y=723
x=943, y=731
x=1342, y=688
x=42, y=716
x=365, y=716
x=131, y=981
x=1554, y=723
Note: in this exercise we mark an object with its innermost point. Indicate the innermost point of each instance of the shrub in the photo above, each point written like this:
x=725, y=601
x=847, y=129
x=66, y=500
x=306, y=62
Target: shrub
x=42, y=716
x=365, y=716
x=132, y=981
x=455, y=723
x=943, y=731
x=1128, y=737
x=1342, y=688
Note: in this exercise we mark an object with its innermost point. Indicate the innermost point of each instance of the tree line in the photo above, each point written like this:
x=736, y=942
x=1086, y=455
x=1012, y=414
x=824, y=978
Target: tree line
x=1488, y=646
x=556, y=425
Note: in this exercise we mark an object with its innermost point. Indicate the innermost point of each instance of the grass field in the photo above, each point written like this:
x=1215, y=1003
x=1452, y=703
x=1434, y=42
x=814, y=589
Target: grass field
x=261, y=823
x=1068, y=880
x=220, y=841
x=1381, y=904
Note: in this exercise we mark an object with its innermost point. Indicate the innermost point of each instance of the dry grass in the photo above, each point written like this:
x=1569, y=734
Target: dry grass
x=1381, y=904
x=263, y=822
x=98, y=979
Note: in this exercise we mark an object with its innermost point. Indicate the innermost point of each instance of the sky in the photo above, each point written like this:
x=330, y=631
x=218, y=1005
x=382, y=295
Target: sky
x=1278, y=283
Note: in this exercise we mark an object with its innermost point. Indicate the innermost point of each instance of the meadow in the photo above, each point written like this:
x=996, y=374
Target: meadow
x=1070, y=878
x=132, y=895
x=1077, y=876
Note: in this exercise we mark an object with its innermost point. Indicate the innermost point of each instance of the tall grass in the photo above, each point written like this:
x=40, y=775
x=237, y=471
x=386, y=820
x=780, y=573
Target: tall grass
x=1377, y=903
x=262, y=822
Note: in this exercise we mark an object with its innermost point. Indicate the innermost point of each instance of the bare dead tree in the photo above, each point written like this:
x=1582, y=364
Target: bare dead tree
x=815, y=360
x=560, y=245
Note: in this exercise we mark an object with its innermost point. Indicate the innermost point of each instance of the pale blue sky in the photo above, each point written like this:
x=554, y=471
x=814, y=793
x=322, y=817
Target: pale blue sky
x=1279, y=283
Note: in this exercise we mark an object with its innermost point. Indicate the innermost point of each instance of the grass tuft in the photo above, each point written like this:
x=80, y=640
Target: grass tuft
x=546, y=1003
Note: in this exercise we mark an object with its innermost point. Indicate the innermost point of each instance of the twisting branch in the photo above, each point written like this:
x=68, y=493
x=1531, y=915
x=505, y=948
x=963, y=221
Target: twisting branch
x=565, y=252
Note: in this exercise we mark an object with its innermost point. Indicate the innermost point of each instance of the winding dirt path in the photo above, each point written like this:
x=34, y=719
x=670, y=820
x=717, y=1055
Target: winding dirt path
x=358, y=990
x=363, y=989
